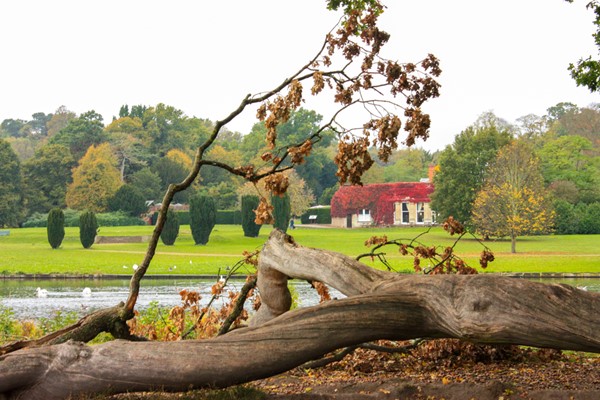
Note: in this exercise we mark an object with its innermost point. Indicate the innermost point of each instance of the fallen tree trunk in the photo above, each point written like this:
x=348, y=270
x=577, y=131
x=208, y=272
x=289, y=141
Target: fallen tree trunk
x=480, y=308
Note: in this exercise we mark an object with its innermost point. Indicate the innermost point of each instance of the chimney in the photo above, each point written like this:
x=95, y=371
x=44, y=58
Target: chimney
x=431, y=172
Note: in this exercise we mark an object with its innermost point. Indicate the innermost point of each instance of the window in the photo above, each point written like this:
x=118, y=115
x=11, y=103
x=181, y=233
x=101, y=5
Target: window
x=405, y=213
x=420, y=213
x=364, y=215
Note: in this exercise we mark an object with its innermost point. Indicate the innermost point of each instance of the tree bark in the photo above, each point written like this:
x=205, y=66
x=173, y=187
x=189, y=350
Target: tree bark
x=381, y=305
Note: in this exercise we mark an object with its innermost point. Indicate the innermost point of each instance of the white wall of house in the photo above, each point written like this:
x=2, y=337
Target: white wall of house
x=404, y=215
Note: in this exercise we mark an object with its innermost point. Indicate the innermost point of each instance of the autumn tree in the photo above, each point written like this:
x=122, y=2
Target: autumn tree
x=59, y=120
x=95, y=180
x=380, y=304
x=513, y=201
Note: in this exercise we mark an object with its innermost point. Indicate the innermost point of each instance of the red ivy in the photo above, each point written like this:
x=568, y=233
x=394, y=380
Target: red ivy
x=379, y=198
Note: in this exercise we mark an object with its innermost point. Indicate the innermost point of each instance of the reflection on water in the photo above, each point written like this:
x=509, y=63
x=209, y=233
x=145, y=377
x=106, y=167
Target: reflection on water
x=66, y=295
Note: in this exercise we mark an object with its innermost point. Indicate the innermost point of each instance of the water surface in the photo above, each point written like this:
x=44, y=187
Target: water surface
x=66, y=294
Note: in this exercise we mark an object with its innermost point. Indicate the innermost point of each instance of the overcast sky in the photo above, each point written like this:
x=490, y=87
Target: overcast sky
x=510, y=56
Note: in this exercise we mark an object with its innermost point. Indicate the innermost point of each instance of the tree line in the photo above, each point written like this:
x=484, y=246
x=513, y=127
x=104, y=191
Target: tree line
x=538, y=176
x=62, y=160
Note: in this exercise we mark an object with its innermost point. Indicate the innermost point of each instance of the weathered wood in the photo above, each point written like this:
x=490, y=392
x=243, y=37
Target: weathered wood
x=480, y=308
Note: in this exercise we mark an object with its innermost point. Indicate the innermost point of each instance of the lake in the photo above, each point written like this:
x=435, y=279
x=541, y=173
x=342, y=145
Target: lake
x=66, y=294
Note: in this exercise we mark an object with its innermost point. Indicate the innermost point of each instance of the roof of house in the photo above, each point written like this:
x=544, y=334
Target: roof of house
x=379, y=198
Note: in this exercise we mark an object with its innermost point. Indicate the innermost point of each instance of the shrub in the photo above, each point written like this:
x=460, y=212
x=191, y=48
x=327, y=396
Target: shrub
x=249, y=204
x=281, y=211
x=589, y=218
x=56, y=227
x=170, y=229
x=88, y=228
x=203, y=216
x=229, y=217
x=323, y=216
x=118, y=218
x=128, y=199
x=36, y=220
x=565, y=220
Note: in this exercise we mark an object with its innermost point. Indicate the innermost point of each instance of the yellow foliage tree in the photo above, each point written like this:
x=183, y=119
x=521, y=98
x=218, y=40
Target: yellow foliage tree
x=95, y=180
x=513, y=201
x=181, y=158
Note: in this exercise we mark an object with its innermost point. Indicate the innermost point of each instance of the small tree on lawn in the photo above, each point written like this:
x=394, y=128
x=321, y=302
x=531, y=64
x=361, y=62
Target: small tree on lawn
x=203, y=217
x=171, y=228
x=281, y=211
x=88, y=228
x=249, y=205
x=513, y=201
x=56, y=227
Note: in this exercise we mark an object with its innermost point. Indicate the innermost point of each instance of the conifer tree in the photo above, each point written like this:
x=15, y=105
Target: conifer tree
x=56, y=227
x=88, y=228
x=281, y=211
x=203, y=217
x=171, y=229
x=249, y=204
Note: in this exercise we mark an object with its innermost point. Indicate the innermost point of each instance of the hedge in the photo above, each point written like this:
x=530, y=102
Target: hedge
x=224, y=217
x=38, y=220
x=323, y=216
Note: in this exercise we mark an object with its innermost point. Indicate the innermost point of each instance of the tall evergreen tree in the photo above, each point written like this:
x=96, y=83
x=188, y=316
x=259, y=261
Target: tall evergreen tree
x=88, y=228
x=249, y=204
x=171, y=229
x=203, y=217
x=56, y=227
x=281, y=211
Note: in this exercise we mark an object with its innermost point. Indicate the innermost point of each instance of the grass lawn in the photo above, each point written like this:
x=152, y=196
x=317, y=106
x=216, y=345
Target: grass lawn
x=27, y=250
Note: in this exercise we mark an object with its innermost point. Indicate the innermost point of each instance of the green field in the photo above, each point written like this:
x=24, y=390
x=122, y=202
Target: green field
x=27, y=251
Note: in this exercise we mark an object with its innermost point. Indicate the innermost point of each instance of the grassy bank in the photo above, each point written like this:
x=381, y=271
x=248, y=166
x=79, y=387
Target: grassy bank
x=27, y=250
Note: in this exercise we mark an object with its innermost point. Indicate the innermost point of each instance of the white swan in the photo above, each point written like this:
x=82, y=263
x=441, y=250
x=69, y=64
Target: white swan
x=41, y=292
x=86, y=292
x=135, y=267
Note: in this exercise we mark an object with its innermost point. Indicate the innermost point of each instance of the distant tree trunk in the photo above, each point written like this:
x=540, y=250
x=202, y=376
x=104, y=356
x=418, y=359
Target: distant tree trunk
x=381, y=305
x=513, y=243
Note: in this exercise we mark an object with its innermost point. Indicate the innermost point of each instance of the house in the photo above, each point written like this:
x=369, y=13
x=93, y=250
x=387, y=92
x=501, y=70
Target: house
x=383, y=204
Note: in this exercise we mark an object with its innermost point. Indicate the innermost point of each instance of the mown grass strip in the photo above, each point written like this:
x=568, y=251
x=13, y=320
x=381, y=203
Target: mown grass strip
x=27, y=250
